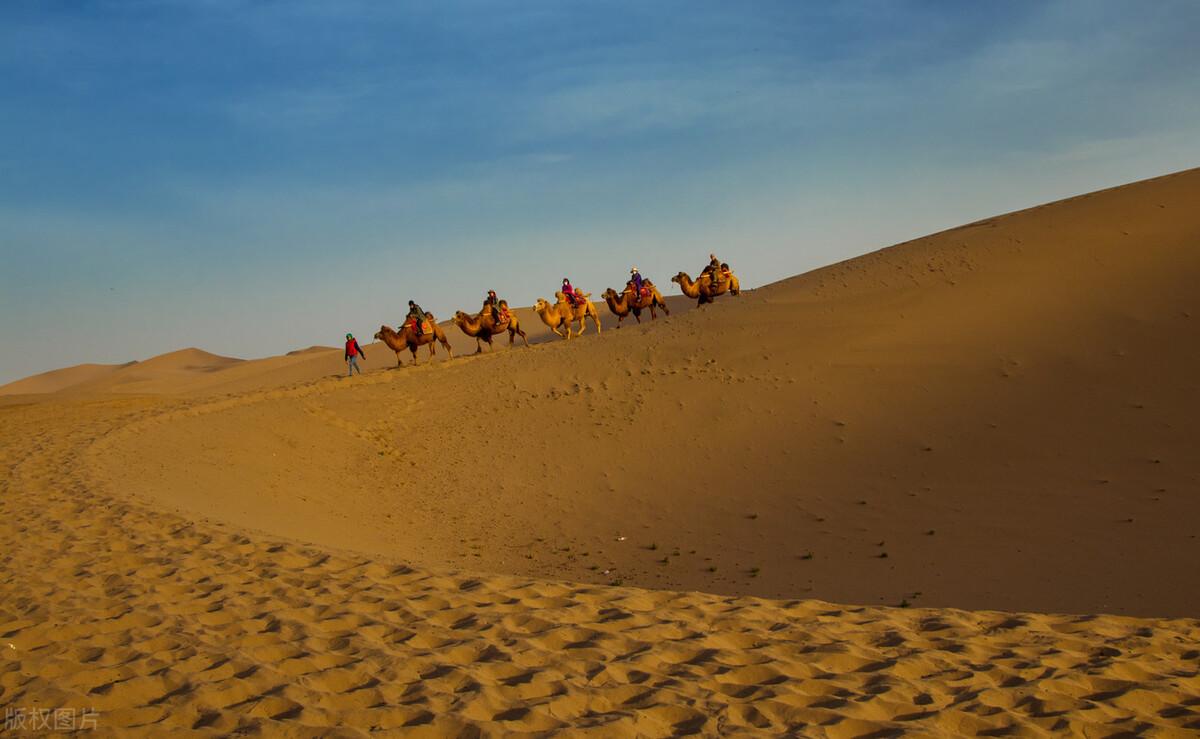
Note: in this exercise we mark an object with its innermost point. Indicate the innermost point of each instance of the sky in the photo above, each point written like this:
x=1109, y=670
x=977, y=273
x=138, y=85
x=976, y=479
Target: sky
x=256, y=176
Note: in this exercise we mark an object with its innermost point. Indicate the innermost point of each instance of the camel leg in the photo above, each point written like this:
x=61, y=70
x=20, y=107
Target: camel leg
x=478, y=346
x=638, y=315
x=413, y=349
x=596, y=320
x=446, y=346
x=523, y=338
x=399, y=361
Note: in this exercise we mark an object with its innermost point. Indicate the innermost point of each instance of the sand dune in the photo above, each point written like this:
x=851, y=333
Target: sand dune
x=985, y=418
x=164, y=373
x=315, y=349
x=60, y=379
x=999, y=417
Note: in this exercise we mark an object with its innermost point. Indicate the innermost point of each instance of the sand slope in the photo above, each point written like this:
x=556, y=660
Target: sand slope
x=1003, y=415
x=162, y=624
x=1007, y=411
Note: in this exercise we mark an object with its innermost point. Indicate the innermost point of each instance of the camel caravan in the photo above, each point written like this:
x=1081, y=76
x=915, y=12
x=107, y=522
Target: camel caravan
x=572, y=307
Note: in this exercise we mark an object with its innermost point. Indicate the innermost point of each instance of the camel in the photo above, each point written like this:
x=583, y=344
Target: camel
x=624, y=303
x=706, y=288
x=483, y=327
x=407, y=338
x=562, y=314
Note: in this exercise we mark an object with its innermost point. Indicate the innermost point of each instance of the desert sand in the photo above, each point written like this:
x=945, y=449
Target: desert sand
x=983, y=440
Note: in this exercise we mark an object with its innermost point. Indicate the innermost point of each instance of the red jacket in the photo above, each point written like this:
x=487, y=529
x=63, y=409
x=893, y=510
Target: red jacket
x=354, y=350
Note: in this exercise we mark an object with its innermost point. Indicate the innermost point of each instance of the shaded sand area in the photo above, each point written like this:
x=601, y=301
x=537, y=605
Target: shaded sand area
x=1007, y=411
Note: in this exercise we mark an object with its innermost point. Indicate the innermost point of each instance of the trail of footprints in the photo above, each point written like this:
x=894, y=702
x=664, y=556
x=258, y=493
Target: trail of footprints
x=161, y=625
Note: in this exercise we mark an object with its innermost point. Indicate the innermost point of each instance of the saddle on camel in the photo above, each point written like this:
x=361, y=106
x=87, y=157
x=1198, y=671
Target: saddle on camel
x=717, y=272
x=419, y=328
x=496, y=307
x=573, y=296
x=417, y=320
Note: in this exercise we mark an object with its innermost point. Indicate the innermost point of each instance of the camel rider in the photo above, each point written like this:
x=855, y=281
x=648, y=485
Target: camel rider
x=569, y=292
x=494, y=303
x=713, y=269
x=637, y=282
x=416, y=315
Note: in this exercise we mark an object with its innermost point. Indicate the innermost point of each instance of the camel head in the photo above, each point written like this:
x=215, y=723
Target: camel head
x=384, y=329
x=679, y=278
x=610, y=294
x=541, y=306
x=459, y=317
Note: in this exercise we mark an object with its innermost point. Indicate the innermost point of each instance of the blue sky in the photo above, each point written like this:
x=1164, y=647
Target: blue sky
x=252, y=177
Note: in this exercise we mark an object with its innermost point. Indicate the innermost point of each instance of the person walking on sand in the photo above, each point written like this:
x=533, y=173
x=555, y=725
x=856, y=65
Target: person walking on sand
x=353, y=352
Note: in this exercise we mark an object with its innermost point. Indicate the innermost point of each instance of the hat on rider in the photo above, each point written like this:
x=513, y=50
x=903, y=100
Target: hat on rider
x=633, y=271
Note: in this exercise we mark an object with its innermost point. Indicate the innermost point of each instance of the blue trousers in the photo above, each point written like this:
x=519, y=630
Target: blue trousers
x=352, y=364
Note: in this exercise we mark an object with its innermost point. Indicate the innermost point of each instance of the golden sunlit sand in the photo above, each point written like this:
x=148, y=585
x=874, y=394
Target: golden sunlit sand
x=646, y=532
